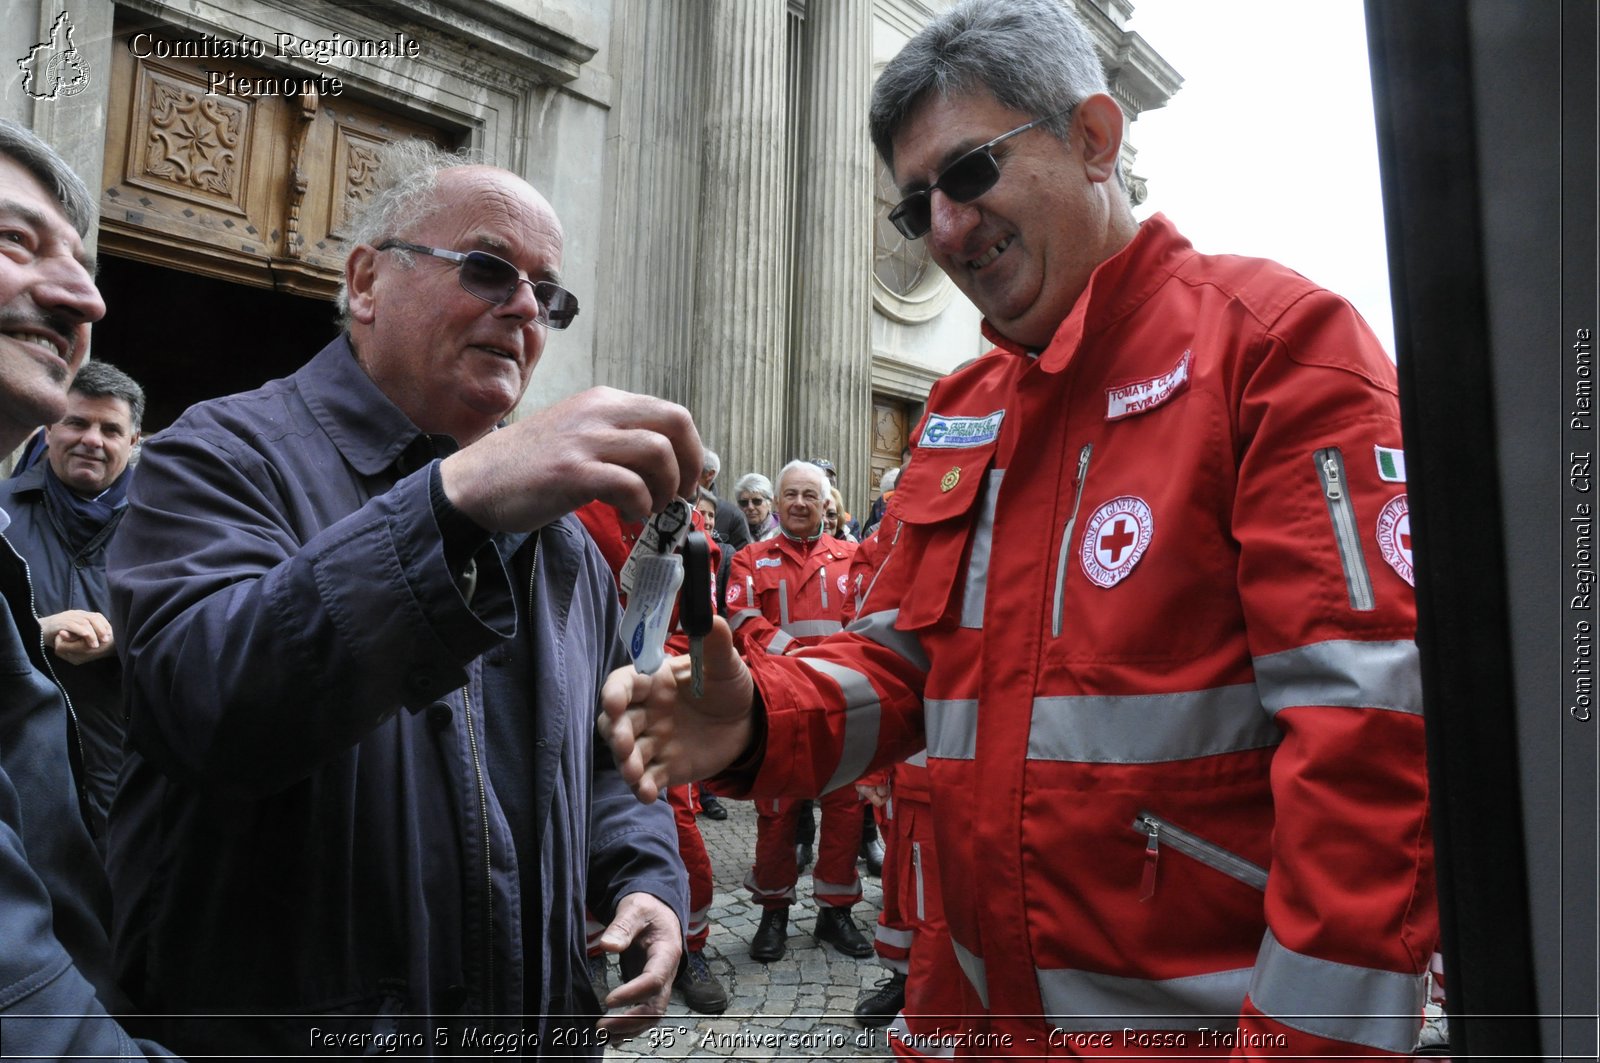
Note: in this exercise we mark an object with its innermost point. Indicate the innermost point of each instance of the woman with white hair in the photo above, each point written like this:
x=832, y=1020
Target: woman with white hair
x=753, y=492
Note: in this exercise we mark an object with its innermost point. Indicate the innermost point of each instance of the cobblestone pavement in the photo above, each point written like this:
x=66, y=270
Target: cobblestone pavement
x=799, y=1007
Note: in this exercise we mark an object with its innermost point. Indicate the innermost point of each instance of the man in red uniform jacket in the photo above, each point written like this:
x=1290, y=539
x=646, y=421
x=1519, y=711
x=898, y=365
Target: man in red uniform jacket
x=1150, y=610
x=785, y=593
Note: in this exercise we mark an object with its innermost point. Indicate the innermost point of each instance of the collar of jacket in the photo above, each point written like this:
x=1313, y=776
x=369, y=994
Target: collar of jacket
x=369, y=430
x=1116, y=288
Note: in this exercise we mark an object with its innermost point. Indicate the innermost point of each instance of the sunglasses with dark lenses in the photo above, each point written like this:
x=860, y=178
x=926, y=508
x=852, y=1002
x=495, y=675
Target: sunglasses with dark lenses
x=745, y=503
x=494, y=280
x=963, y=181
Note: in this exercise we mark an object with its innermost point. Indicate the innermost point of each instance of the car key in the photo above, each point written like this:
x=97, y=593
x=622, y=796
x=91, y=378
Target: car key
x=694, y=606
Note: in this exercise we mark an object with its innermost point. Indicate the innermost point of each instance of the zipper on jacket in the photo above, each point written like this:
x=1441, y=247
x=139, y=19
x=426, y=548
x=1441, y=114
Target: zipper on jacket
x=488, y=862
x=1342, y=512
x=81, y=785
x=1157, y=830
x=822, y=577
x=1066, y=539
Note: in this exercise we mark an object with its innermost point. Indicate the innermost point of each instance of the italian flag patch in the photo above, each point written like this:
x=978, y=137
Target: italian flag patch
x=1391, y=465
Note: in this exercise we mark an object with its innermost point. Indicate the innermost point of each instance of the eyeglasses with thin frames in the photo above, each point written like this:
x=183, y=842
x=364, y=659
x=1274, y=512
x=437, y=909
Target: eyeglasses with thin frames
x=494, y=280
x=964, y=180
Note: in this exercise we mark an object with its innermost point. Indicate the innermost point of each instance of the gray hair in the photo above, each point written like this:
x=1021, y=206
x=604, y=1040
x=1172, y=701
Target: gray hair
x=709, y=462
x=408, y=176
x=102, y=380
x=889, y=479
x=753, y=483
x=19, y=144
x=1032, y=56
x=819, y=477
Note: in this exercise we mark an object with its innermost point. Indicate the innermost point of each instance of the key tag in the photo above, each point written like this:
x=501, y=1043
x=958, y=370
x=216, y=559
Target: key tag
x=662, y=534
x=656, y=579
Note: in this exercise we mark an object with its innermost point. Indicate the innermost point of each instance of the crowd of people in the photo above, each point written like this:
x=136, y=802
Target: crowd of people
x=298, y=730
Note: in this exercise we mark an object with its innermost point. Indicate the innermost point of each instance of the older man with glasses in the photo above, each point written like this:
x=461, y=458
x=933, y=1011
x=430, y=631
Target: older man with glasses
x=363, y=640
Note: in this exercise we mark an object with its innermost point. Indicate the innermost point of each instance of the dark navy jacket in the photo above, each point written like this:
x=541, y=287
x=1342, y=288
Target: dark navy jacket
x=55, y=958
x=306, y=824
x=67, y=579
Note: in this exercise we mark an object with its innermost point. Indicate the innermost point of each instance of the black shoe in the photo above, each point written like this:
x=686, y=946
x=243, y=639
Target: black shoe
x=598, y=974
x=802, y=856
x=835, y=926
x=771, y=936
x=872, y=853
x=878, y=1007
x=700, y=988
x=711, y=808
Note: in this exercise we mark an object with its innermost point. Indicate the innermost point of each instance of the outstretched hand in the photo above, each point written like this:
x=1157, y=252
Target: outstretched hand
x=661, y=735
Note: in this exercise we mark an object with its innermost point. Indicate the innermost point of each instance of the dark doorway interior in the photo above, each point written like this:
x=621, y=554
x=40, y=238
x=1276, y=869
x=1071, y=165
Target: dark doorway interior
x=185, y=337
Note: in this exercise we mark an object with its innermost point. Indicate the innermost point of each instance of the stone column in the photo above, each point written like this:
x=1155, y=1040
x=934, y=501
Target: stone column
x=830, y=366
x=740, y=365
x=646, y=341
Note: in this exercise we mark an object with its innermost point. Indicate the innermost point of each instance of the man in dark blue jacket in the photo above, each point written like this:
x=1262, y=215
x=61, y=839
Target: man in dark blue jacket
x=363, y=641
x=55, y=959
x=63, y=512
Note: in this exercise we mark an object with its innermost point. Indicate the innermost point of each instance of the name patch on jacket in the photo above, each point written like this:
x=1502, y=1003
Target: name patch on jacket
x=1118, y=534
x=958, y=432
x=1125, y=400
x=769, y=562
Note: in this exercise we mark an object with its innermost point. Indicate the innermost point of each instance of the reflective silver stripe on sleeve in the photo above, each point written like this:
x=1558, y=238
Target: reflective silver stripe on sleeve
x=1361, y=1005
x=783, y=603
x=737, y=619
x=879, y=627
x=951, y=727
x=1081, y=1001
x=862, y=716
x=779, y=642
x=973, y=967
x=1149, y=728
x=978, y=563
x=1343, y=674
x=806, y=628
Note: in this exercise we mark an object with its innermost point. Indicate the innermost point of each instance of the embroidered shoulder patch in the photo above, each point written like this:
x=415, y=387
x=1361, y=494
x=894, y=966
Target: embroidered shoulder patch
x=769, y=562
x=1116, y=537
x=1394, y=537
x=958, y=432
x=734, y=591
x=1125, y=400
x=1391, y=464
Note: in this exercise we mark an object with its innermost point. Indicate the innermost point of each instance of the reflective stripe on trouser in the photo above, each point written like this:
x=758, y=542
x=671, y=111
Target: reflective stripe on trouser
x=692, y=849
x=771, y=881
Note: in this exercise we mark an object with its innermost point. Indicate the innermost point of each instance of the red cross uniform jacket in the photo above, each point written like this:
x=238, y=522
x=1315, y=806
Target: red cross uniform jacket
x=783, y=594
x=1150, y=611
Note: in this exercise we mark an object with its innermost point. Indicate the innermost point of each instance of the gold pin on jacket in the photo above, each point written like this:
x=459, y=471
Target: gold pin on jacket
x=951, y=478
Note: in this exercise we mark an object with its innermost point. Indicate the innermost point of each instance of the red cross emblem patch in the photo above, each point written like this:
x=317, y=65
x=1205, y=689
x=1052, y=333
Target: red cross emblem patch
x=734, y=590
x=1116, y=537
x=1394, y=537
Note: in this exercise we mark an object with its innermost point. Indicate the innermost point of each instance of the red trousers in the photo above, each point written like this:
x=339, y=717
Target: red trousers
x=692, y=848
x=834, y=881
x=934, y=985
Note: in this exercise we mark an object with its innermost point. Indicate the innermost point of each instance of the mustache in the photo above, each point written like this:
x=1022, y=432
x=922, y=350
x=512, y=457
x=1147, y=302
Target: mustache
x=62, y=325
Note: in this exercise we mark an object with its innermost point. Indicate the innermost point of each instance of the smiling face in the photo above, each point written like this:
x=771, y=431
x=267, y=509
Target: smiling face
x=1024, y=250
x=452, y=362
x=47, y=302
x=90, y=446
x=801, y=496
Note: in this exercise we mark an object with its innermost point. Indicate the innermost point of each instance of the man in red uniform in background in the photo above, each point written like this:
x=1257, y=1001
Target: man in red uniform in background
x=1150, y=610
x=784, y=593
